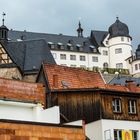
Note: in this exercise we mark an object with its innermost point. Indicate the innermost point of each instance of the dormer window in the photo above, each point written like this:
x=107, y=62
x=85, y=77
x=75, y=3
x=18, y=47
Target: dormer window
x=61, y=45
x=51, y=45
x=70, y=46
x=93, y=49
x=79, y=47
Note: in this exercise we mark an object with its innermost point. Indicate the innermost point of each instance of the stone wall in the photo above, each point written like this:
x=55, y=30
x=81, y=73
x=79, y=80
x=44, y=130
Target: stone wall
x=10, y=73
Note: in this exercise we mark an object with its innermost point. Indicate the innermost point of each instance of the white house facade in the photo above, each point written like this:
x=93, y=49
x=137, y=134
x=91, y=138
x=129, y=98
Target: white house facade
x=113, y=130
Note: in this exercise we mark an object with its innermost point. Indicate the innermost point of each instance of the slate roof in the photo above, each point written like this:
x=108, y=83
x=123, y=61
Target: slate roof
x=121, y=80
x=29, y=55
x=118, y=29
x=55, y=39
x=98, y=37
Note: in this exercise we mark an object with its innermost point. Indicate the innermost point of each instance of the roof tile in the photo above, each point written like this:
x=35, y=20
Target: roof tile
x=22, y=91
x=72, y=78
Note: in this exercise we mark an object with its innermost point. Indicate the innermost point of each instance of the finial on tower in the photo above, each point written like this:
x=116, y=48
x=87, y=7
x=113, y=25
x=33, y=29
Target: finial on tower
x=80, y=30
x=117, y=18
x=3, y=14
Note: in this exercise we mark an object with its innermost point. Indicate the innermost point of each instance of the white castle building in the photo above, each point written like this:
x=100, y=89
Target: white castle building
x=102, y=49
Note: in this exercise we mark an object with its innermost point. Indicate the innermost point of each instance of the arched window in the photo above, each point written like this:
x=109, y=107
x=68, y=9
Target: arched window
x=105, y=65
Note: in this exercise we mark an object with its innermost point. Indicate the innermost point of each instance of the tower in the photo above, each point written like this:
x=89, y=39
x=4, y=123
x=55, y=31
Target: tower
x=80, y=30
x=119, y=44
x=3, y=30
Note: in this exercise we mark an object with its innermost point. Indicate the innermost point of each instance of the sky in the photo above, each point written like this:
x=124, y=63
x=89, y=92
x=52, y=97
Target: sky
x=62, y=16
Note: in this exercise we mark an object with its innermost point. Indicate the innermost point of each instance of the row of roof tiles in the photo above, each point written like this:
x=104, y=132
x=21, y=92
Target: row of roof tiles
x=62, y=77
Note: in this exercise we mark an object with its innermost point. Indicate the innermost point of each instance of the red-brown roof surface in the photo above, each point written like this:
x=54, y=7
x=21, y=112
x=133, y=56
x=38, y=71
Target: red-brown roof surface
x=75, y=78
x=22, y=91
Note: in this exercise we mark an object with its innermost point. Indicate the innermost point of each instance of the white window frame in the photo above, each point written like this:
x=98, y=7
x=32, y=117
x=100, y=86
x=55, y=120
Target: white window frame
x=118, y=134
x=119, y=66
x=105, y=52
x=54, y=55
x=95, y=59
x=63, y=56
x=133, y=135
x=82, y=58
x=116, y=105
x=132, y=108
x=118, y=50
x=72, y=57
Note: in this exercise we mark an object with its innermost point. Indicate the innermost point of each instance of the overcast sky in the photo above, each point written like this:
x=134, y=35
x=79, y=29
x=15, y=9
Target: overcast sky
x=61, y=16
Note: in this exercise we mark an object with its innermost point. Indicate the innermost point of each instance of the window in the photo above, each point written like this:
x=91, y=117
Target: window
x=117, y=135
x=54, y=55
x=132, y=106
x=139, y=66
x=136, y=67
x=105, y=52
x=107, y=42
x=105, y=65
x=135, y=135
x=128, y=39
x=116, y=104
x=72, y=57
x=94, y=59
x=122, y=38
x=63, y=56
x=118, y=50
x=82, y=58
x=119, y=65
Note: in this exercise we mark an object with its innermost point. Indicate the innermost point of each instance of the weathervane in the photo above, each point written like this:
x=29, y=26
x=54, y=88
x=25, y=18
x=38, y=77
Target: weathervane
x=3, y=14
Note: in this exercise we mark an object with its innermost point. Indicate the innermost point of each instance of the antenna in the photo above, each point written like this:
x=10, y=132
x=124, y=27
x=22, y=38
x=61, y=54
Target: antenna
x=3, y=14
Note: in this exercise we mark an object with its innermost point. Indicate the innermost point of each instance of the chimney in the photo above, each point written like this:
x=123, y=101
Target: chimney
x=131, y=85
x=55, y=81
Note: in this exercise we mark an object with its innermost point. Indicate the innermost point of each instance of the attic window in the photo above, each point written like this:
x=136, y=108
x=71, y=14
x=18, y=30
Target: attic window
x=19, y=39
x=94, y=50
x=91, y=46
x=79, y=47
x=51, y=45
x=70, y=46
x=61, y=45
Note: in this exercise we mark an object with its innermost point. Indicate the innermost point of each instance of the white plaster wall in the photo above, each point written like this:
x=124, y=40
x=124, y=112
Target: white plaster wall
x=115, y=43
x=134, y=71
x=96, y=130
x=28, y=112
x=88, y=63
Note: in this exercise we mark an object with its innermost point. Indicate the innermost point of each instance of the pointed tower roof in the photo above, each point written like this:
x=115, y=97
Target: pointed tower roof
x=80, y=30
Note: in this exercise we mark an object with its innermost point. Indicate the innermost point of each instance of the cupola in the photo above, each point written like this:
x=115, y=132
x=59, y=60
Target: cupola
x=80, y=30
x=118, y=29
x=3, y=30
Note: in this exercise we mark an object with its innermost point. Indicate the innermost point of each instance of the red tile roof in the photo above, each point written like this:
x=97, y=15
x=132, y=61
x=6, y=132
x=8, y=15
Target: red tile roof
x=23, y=91
x=59, y=76
x=117, y=87
x=62, y=77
